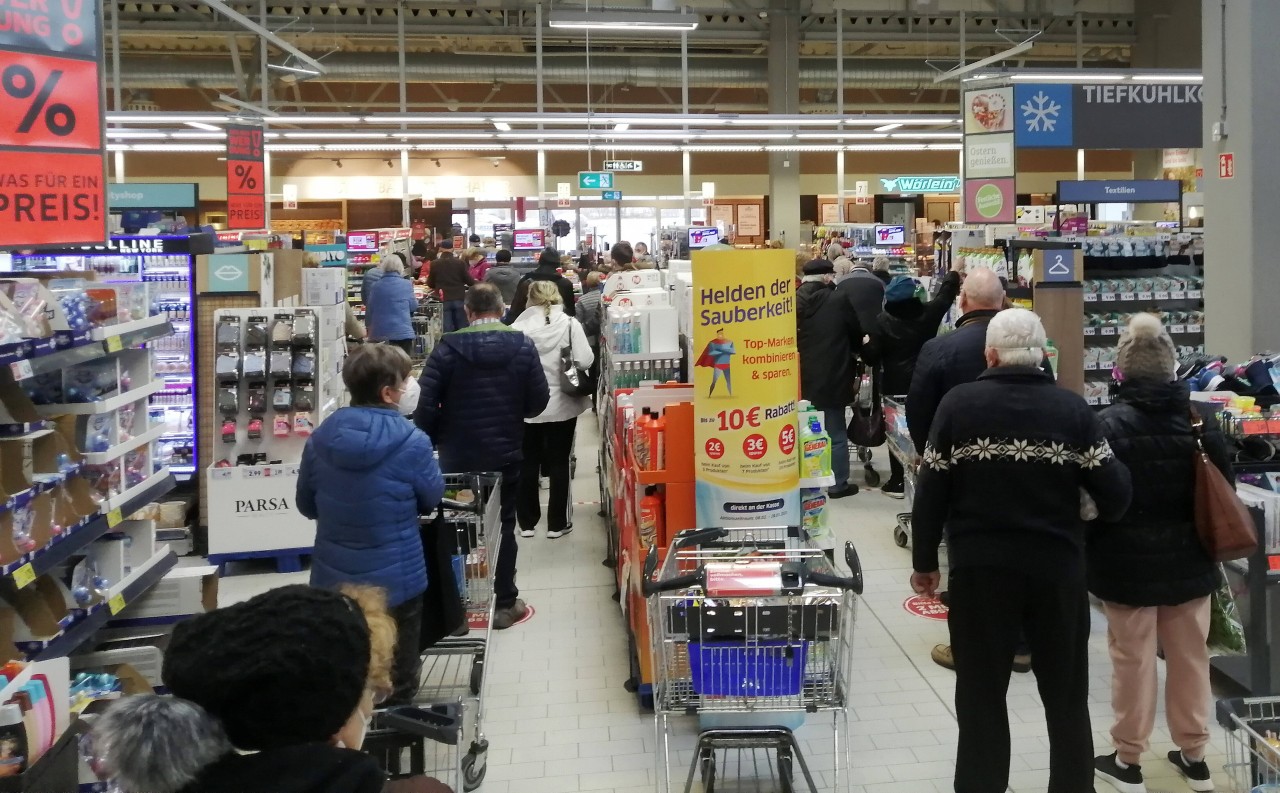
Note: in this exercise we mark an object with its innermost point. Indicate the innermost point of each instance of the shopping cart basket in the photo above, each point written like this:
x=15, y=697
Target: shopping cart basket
x=750, y=626
x=418, y=741
x=428, y=326
x=1253, y=743
x=453, y=670
x=904, y=451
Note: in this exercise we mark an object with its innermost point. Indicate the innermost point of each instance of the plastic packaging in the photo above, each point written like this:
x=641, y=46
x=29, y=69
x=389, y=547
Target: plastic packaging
x=13, y=741
x=813, y=513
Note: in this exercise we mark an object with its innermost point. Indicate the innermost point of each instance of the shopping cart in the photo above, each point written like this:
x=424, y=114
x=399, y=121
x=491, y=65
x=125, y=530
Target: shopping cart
x=904, y=451
x=428, y=326
x=453, y=670
x=867, y=391
x=752, y=629
x=418, y=741
x=1253, y=743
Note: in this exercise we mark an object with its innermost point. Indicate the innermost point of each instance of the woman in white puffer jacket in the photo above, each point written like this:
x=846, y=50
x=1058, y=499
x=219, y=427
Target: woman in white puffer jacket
x=548, y=437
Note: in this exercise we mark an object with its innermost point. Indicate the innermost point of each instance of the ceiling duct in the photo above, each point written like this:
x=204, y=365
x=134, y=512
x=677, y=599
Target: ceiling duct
x=143, y=72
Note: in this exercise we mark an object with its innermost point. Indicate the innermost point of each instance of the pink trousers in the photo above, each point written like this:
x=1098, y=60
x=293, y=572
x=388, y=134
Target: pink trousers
x=1132, y=635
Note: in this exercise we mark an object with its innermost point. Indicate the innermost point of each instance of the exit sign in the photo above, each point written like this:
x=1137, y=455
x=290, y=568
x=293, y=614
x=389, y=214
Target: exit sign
x=595, y=180
x=634, y=166
x=611, y=195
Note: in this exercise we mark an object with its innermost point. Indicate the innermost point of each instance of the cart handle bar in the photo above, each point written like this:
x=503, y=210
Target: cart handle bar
x=854, y=582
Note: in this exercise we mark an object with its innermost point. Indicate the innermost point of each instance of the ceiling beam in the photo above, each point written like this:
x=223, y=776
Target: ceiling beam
x=248, y=24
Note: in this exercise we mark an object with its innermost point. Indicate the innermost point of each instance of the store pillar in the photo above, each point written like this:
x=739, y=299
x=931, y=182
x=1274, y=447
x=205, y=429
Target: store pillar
x=1241, y=90
x=784, y=97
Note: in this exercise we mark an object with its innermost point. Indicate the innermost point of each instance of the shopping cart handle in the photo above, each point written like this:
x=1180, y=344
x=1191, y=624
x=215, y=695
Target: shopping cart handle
x=440, y=723
x=693, y=537
x=853, y=582
x=651, y=587
x=1229, y=708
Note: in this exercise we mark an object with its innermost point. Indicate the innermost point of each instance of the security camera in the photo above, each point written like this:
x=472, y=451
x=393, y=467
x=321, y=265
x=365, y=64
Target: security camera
x=495, y=163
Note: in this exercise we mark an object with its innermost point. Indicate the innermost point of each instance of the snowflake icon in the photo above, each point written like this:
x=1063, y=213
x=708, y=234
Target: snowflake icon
x=1041, y=113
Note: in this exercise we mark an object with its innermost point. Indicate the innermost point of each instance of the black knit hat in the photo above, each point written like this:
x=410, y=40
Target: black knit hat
x=819, y=267
x=286, y=667
x=549, y=256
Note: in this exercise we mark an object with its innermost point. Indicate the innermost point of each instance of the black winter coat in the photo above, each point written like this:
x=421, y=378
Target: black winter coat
x=541, y=273
x=903, y=329
x=865, y=293
x=944, y=363
x=303, y=768
x=828, y=337
x=1002, y=473
x=478, y=387
x=1152, y=555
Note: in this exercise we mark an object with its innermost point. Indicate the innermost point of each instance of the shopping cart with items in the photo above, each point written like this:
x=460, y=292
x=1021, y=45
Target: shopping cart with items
x=752, y=629
x=421, y=741
x=1253, y=743
x=428, y=326
x=904, y=451
x=453, y=669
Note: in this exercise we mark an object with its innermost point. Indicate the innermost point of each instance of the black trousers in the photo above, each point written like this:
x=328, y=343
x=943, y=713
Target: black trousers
x=895, y=471
x=505, y=591
x=547, y=447
x=989, y=609
x=404, y=344
x=407, y=668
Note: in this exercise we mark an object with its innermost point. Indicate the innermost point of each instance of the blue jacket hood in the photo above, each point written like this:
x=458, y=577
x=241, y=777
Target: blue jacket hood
x=489, y=346
x=358, y=438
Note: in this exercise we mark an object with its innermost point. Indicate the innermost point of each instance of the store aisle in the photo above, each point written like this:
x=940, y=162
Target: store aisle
x=559, y=720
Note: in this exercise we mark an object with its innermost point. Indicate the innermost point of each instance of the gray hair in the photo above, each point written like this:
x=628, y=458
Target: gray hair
x=982, y=289
x=157, y=744
x=880, y=264
x=834, y=251
x=843, y=265
x=1018, y=337
x=483, y=300
x=393, y=265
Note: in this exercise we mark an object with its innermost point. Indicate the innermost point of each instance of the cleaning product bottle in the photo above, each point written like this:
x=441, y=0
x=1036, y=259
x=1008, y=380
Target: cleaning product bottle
x=1051, y=352
x=658, y=442
x=651, y=529
x=13, y=741
x=815, y=446
x=813, y=513
x=640, y=449
x=637, y=333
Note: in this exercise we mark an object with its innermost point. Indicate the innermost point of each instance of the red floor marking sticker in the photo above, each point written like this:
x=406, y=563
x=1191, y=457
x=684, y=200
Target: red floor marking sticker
x=927, y=607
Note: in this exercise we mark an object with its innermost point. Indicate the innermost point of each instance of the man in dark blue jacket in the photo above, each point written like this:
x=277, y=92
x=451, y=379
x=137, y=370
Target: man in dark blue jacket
x=478, y=387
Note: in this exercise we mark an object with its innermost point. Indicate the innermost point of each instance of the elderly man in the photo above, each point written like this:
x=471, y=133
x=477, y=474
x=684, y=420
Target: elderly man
x=1007, y=459
x=828, y=336
x=865, y=293
x=478, y=387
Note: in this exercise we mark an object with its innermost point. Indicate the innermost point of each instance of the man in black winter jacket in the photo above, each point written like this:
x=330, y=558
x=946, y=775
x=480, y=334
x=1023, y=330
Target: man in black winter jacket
x=478, y=387
x=548, y=269
x=864, y=292
x=1002, y=473
x=828, y=337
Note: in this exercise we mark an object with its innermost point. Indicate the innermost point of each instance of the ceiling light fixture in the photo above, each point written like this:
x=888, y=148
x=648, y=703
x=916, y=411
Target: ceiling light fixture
x=888, y=127
x=621, y=127
x=502, y=126
x=1066, y=77
x=623, y=21
x=281, y=67
x=1167, y=78
x=204, y=126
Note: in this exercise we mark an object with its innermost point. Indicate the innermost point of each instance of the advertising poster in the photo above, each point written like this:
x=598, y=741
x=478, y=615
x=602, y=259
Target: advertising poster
x=749, y=222
x=246, y=178
x=54, y=186
x=989, y=156
x=746, y=380
x=990, y=201
x=988, y=110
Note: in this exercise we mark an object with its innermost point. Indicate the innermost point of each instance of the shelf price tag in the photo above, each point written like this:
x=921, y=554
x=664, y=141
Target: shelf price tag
x=1177, y=295
x=1128, y=296
x=114, y=518
x=116, y=604
x=1144, y=295
x=1194, y=294
x=1108, y=297
x=24, y=575
x=1193, y=329
x=21, y=370
x=114, y=344
x=1091, y=297
x=1108, y=330
x=1162, y=295
x=1090, y=331
x=1177, y=329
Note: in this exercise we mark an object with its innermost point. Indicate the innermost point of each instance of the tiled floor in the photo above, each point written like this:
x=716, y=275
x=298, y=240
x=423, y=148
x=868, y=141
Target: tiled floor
x=559, y=720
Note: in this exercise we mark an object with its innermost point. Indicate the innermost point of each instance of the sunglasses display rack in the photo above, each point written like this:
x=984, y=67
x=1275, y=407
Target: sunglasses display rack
x=278, y=374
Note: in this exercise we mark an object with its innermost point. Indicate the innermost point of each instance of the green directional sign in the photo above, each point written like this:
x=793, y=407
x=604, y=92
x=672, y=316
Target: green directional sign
x=595, y=180
x=611, y=195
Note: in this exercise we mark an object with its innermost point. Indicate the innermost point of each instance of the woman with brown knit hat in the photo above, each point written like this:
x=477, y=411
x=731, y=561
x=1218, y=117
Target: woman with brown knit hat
x=1149, y=569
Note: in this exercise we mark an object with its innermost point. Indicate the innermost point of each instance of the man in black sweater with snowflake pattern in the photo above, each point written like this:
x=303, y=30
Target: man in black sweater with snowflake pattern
x=1003, y=472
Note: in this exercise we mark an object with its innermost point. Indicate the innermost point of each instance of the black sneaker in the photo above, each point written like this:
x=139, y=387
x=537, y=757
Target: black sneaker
x=893, y=490
x=1125, y=780
x=1196, y=774
x=849, y=489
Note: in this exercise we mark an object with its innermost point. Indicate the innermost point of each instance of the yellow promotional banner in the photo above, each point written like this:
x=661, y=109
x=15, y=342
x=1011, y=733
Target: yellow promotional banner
x=746, y=378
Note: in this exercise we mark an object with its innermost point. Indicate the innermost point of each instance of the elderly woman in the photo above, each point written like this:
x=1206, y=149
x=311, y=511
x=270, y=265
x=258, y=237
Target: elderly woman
x=390, y=308
x=880, y=266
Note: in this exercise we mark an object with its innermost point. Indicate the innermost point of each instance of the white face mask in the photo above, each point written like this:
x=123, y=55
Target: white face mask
x=409, y=397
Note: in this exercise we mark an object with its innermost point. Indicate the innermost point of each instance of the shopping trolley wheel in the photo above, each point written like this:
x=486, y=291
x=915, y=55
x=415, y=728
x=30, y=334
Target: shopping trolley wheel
x=474, y=766
x=477, y=675
x=864, y=455
x=900, y=538
x=872, y=477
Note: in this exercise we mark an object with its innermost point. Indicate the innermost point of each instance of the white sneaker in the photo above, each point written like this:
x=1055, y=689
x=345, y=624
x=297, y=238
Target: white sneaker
x=555, y=535
x=527, y=533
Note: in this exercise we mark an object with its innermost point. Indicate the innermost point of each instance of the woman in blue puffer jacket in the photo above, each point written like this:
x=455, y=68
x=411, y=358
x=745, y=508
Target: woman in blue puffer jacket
x=366, y=476
x=389, y=311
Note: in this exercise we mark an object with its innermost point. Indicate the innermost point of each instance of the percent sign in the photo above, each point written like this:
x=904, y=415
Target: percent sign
x=19, y=82
x=245, y=175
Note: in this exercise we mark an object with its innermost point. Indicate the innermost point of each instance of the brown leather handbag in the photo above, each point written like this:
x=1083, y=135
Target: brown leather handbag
x=1226, y=528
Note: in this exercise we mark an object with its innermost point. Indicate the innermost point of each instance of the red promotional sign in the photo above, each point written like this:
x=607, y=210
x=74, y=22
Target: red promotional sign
x=52, y=182
x=246, y=178
x=1227, y=165
x=927, y=607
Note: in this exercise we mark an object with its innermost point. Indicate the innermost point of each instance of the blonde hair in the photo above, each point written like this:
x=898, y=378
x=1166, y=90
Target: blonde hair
x=382, y=632
x=545, y=294
x=473, y=253
x=803, y=257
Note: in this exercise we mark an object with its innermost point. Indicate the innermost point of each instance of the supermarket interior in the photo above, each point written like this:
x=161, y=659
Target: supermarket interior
x=639, y=395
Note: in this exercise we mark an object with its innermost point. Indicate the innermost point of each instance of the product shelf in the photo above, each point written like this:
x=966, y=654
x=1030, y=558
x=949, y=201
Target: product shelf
x=118, y=451
x=129, y=496
x=102, y=406
x=38, y=562
x=40, y=356
x=818, y=481
x=122, y=594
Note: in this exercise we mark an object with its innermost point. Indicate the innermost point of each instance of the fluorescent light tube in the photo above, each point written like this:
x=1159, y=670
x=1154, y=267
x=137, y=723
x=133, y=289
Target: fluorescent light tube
x=622, y=21
x=502, y=126
x=887, y=127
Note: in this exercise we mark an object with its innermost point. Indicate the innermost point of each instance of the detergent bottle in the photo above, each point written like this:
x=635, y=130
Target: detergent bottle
x=815, y=444
x=650, y=517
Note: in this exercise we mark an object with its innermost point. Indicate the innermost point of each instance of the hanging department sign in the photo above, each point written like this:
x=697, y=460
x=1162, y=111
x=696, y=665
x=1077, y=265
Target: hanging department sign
x=745, y=381
x=1108, y=116
x=52, y=177
x=918, y=184
x=246, y=178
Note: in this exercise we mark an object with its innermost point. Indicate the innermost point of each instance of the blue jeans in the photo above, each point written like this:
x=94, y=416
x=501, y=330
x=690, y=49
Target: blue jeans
x=833, y=419
x=455, y=316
